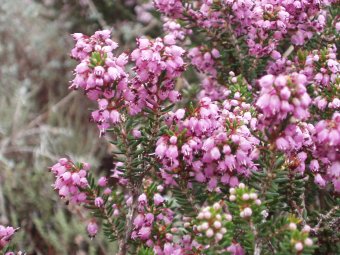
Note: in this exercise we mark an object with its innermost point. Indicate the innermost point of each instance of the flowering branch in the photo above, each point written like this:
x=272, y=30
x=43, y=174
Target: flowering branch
x=268, y=129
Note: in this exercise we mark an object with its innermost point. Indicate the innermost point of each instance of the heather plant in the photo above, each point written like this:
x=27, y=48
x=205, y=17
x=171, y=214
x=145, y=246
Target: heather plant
x=224, y=131
x=40, y=121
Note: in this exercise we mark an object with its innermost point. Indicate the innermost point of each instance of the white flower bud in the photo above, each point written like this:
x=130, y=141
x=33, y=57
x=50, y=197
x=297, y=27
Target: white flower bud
x=232, y=191
x=264, y=213
x=218, y=236
x=234, y=80
x=253, y=196
x=209, y=233
x=223, y=230
x=298, y=246
x=247, y=212
x=308, y=242
x=241, y=185
x=204, y=226
x=231, y=73
x=292, y=226
x=232, y=198
x=200, y=216
x=207, y=215
x=206, y=209
x=245, y=197
x=199, y=228
x=228, y=217
x=242, y=214
x=186, y=224
x=306, y=229
x=218, y=217
x=258, y=202
x=217, y=224
x=217, y=206
x=97, y=47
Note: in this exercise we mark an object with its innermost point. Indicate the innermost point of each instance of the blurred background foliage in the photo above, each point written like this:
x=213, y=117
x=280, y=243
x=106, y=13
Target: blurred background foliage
x=41, y=120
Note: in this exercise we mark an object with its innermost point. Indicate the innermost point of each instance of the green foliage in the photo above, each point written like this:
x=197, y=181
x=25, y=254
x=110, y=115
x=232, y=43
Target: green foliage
x=145, y=251
x=241, y=87
x=97, y=59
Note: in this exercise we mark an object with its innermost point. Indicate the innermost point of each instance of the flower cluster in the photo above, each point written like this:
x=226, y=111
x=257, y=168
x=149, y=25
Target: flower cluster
x=151, y=224
x=212, y=144
x=320, y=143
x=282, y=97
x=327, y=147
x=70, y=180
x=204, y=60
x=265, y=24
x=246, y=198
x=172, y=8
x=174, y=29
x=300, y=238
x=157, y=64
x=213, y=90
x=210, y=223
x=103, y=77
x=326, y=64
x=295, y=141
x=320, y=67
x=6, y=235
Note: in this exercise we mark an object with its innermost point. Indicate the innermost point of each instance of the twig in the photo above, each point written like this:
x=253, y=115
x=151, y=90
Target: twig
x=135, y=187
x=325, y=217
x=3, y=218
x=235, y=43
x=123, y=244
x=97, y=14
x=288, y=51
x=257, y=248
x=40, y=117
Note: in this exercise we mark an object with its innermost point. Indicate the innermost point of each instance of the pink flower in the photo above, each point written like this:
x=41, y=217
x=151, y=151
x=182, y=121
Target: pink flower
x=319, y=180
x=314, y=165
x=139, y=220
x=98, y=202
x=236, y=249
x=144, y=233
x=70, y=179
x=169, y=39
x=102, y=182
x=92, y=229
x=158, y=199
x=215, y=153
x=267, y=81
x=6, y=234
x=142, y=200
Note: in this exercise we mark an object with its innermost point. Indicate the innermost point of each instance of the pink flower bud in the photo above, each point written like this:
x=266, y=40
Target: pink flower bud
x=102, y=182
x=92, y=229
x=99, y=202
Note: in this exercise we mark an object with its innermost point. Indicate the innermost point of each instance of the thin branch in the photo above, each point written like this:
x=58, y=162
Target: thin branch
x=97, y=14
x=3, y=215
x=288, y=51
x=325, y=217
